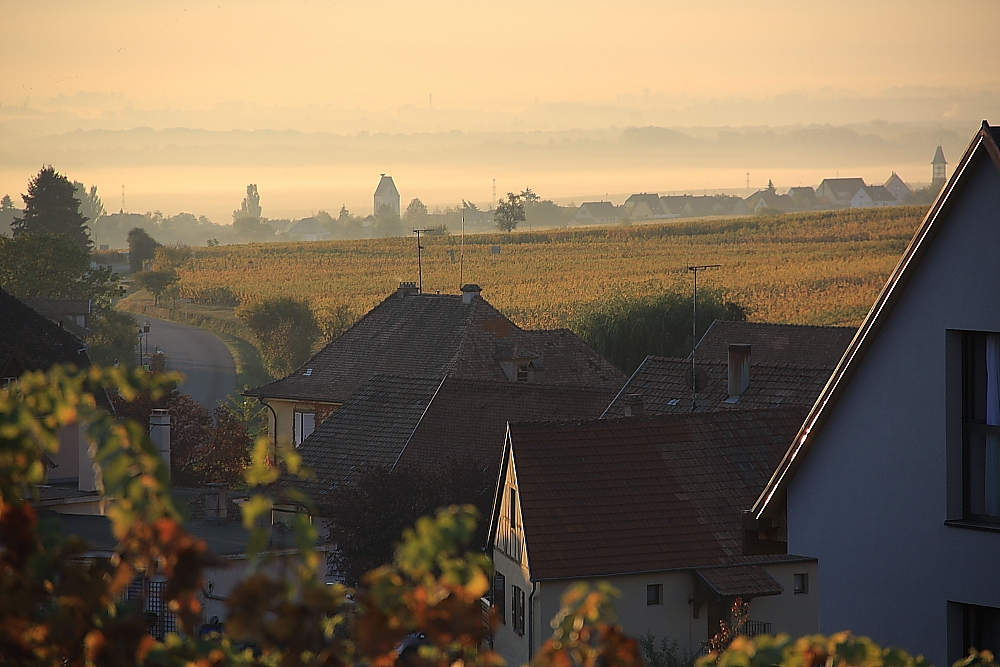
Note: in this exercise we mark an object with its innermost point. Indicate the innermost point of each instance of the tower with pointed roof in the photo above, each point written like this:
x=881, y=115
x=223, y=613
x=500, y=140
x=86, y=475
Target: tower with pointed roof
x=386, y=194
x=939, y=164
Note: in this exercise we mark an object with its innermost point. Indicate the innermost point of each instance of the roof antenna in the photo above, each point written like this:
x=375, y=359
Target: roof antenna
x=420, y=266
x=694, y=330
x=461, y=261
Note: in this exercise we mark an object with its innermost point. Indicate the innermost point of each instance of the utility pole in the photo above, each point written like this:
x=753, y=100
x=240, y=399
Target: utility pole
x=694, y=330
x=420, y=266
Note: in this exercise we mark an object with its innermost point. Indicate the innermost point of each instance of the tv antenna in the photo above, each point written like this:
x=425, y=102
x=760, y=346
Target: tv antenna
x=461, y=261
x=420, y=266
x=694, y=330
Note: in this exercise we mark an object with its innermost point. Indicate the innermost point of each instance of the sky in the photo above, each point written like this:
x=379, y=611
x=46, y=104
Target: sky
x=438, y=65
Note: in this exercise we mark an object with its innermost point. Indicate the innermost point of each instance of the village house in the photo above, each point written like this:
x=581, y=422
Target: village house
x=386, y=194
x=307, y=229
x=419, y=335
x=893, y=481
x=652, y=506
x=769, y=199
x=646, y=206
x=598, y=213
x=803, y=197
x=897, y=188
x=838, y=192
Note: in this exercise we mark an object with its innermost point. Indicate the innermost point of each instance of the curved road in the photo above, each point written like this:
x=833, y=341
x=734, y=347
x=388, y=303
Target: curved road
x=203, y=358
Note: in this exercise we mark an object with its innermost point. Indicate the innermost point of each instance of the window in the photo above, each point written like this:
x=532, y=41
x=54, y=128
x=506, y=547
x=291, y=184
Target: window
x=522, y=373
x=981, y=628
x=517, y=610
x=800, y=583
x=305, y=424
x=500, y=596
x=981, y=426
x=654, y=594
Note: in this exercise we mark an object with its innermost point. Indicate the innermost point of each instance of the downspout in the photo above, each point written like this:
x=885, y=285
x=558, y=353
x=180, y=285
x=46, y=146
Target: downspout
x=531, y=621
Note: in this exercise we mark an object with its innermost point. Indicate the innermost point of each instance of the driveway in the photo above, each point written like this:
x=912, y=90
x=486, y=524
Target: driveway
x=203, y=358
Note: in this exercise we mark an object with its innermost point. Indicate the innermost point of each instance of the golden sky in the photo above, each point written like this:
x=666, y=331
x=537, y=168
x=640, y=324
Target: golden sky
x=487, y=55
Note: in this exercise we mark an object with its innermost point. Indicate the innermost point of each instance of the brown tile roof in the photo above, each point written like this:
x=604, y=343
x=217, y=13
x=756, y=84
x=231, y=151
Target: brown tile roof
x=744, y=580
x=777, y=343
x=425, y=422
x=615, y=496
x=432, y=335
x=31, y=341
x=665, y=386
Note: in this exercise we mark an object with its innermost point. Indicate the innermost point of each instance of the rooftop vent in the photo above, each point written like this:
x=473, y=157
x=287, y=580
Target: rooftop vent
x=739, y=370
x=470, y=292
x=407, y=287
x=633, y=405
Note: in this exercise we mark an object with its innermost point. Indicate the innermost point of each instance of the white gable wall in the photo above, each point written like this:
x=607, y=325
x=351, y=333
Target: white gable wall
x=872, y=495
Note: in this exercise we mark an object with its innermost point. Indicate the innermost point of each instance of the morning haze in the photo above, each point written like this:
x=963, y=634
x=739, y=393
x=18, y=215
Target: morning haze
x=185, y=103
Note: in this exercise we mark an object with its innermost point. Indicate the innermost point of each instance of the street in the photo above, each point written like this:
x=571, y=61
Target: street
x=204, y=359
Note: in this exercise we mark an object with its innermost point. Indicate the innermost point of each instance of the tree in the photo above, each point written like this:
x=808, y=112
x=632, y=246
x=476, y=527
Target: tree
x=387, y=222
x=52, y=266
x=156, y=282
x=141, y=248
x=167, y=257
x=91, y=205
x=250, y=206
x=112, y=338
x=248, y=225
x=285, y=330
x=510, y=211
x=7, y=214
x=627, y=329
x=51, y=207
x=416, y=214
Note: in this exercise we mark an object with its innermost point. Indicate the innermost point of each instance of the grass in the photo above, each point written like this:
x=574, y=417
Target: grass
x=811, y=268
x=222, y=322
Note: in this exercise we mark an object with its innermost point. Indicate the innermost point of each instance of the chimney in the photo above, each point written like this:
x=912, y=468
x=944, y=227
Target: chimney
x=159, y=433
x=633, y=405
x=406, y=287
x=470, y=292
x=217, y=501
x=739, y=370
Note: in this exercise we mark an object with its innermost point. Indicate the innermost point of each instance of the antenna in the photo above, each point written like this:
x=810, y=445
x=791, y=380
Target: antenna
x=694, y=330
x=494, y=204
x=123, y=197
x=461, y=261
x=420, y=266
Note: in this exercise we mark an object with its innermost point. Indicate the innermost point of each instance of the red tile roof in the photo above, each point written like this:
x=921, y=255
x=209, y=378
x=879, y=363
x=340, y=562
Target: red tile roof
x=615, y=496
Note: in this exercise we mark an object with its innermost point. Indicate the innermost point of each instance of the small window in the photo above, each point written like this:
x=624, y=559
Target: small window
x=513, y=509
x=517, y=610
x=981, y=627
x=522, y=373
x=500, y=596
x=654, y=594
x=305, y=424
x=981, y=426
x=800, y=584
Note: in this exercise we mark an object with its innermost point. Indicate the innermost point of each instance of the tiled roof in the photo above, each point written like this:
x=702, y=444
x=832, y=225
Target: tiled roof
x=431, y=335
x=643, y=494
x=34, y=341
x=939, y=157
x=777, y=343
x=428, y=422
x=744, y=580
x=665, y=387
x=843, y=188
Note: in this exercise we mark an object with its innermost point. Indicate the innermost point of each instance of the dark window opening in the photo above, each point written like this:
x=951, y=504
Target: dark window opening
x=981, y=628
x=500, y=596
x=517, y=610
x=522, y=373
x=654, y=594
x=981, y=426
x=305, y=424
x=800, y=583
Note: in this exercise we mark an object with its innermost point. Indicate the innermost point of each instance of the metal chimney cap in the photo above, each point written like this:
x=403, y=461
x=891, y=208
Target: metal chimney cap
x=471, y=287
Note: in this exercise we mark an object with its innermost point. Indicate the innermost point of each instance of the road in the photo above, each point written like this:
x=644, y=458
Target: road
x=203, y=358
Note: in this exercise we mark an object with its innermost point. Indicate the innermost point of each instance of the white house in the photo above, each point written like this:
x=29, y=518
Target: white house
x=897, y=187
x=597, y=213
x=893, y=481
x=651, y=505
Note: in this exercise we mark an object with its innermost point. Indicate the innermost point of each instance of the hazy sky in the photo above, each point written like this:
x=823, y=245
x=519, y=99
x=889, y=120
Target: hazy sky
x=487, y=55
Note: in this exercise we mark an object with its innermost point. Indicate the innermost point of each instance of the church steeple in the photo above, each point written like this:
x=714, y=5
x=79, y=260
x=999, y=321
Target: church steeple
x=939, y=164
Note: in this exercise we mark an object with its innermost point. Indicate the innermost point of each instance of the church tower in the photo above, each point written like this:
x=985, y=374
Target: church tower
x=939, y=164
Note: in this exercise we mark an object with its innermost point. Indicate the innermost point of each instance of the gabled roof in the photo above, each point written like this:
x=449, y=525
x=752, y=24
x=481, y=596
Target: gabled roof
x=880, y=193
x=896, y=182
x=843, y=188
x=651, y=199
x=386, y=187
x=34, y=341
x=776, y=343
x=600, y=209
x=983, y=147
x=418, y=422
x=665, y=386
x=632, y=495
x=431, y=335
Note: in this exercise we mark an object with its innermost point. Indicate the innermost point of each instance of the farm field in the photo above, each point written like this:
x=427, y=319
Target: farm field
x=811, y=268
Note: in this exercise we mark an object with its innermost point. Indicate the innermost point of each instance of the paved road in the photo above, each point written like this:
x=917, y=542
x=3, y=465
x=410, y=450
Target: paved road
x=203, y=358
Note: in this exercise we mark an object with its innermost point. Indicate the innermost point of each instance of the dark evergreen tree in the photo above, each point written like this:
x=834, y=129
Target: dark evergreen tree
x=51, y=207
x=141, y=247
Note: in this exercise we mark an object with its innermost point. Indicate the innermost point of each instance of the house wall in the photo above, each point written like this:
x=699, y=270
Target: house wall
x=872, y=495
x=281, y=421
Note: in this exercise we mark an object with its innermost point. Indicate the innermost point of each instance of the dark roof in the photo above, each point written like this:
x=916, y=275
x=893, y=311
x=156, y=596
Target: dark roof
x=599, y=209
x=743, y=580
x=880, y=193
x=430, y=421
x=642, y=494
x=777, y=343
x=386, y=187
x=983, y=147
x=843, y=188
x=33, y=341
x=665, y=386
x=939, y=157
x=431, y=335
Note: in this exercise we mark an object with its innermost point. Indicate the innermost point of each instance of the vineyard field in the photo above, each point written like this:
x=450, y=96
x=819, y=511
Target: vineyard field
x=811, y=268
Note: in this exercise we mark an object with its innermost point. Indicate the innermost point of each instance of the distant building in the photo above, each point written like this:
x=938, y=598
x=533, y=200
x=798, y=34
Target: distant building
x=839, y=191
x=897, y=188
x=879, y=195
x=307, y=229
x=386, y=194
x=645, y=206
x=803, y=197
x=939, y=165
x=598, y=213
x=769, y=199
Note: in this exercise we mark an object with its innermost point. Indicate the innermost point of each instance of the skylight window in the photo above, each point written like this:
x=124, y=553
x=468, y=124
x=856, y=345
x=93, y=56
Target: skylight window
x=308, y=372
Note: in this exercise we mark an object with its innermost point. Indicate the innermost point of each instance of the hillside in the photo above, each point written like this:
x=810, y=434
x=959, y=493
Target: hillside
x=814, y=268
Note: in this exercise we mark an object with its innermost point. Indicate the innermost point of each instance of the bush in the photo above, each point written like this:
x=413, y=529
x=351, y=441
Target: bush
x=285, y=330
x=626, y=330
x=113, y=338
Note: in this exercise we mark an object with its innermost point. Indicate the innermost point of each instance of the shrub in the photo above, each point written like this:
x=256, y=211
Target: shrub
x=285, y=330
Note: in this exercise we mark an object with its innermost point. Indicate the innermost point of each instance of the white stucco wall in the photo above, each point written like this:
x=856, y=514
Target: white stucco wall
x=872, y=495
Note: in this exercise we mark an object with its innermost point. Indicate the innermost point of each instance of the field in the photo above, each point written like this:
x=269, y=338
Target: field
x=815, y=268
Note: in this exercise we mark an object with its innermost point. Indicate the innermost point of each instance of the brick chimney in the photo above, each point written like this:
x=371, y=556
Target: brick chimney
x=159, y=433
x=633, y=405
x=407, y=287
x=470, y=292
x=739, y=370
